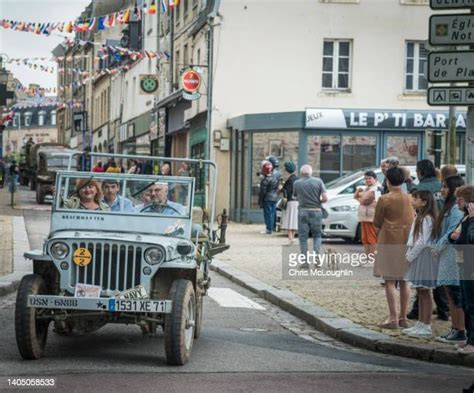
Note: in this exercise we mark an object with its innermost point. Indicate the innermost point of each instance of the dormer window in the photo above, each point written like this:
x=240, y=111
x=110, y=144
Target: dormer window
x=16, y=119
x=28, y=116
x=41, y=116
x=53, y=118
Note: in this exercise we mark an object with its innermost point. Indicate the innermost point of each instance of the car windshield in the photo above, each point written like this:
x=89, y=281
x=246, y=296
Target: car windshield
x=57, y=162
x=125, y=194
x=341, y=181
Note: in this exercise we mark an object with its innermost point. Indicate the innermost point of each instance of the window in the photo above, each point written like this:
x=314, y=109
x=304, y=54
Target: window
x=185, y=56
x=336, y=64
x=176, y=67
x=28, y=116
x=185, y=8
x=16, y=119
x=53, y=118
x=415, y=79
x=41, y=116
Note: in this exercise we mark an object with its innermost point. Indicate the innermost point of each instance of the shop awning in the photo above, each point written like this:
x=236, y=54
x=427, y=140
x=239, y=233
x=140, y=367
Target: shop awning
x=171, y=99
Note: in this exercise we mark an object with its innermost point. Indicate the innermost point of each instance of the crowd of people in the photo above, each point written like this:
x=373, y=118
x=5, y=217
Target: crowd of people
x=420, y=230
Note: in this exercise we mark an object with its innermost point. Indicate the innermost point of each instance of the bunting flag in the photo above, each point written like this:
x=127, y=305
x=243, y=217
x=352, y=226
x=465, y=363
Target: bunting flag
x=92, y=24
x=174, y=3
x=163, y=6
x=126, y=16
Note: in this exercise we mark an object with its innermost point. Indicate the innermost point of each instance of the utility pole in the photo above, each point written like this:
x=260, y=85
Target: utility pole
x=452, y=135
x=470, y=135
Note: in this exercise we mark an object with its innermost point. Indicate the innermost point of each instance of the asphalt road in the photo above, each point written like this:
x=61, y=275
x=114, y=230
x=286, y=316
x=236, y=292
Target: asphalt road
x=260, y=349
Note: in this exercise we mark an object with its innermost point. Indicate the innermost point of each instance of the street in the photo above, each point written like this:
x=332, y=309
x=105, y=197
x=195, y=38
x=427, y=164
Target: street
x=256, y=347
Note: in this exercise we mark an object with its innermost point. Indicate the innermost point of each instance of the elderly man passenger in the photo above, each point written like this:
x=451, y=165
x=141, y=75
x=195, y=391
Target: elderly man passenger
x=310, y=193
x=160, y=203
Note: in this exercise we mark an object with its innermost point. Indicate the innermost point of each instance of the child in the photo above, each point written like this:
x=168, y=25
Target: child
x=423, y=269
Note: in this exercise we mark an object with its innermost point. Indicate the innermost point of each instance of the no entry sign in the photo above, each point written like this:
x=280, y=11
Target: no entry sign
x=191, y=80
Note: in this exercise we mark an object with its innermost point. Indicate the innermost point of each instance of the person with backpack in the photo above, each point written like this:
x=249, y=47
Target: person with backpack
x=426, y=173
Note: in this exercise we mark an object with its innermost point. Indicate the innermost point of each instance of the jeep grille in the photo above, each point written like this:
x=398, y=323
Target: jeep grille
x=115, y=267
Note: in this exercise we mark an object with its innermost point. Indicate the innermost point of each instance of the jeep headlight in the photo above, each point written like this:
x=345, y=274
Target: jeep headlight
x=345, y=208
x=184, y=248
x=154, y=255
x=59, y=250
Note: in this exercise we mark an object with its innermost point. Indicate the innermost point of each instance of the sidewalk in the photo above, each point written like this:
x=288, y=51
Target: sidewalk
x=12, y=225
x=360, y=302
x=6, y=234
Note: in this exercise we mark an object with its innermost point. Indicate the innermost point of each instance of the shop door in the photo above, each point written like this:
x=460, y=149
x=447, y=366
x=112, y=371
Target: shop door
x=406, y=147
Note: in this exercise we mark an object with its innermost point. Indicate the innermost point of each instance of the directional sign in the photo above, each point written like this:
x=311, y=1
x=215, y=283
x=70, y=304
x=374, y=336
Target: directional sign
x=445, y=96
x=454, y=29
x=451, y=66
x=450, y=4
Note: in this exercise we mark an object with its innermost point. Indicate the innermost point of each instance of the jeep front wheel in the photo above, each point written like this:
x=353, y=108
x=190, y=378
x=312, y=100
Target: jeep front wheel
x=31, y=332
x=180, y=323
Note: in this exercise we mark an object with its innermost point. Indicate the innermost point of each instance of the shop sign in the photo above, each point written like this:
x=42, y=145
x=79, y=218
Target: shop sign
x=190, y=81
x=148, y=84
x=191, y=97
x=322, y=118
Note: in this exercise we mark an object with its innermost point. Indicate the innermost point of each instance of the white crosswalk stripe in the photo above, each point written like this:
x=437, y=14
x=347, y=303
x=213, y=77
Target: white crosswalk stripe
x=227, y=297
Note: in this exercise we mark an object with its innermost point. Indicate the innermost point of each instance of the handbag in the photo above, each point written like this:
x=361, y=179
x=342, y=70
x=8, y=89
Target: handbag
x=281, y=204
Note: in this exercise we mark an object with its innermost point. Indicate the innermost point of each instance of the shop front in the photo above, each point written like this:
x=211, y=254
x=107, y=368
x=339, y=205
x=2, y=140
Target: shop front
x=333, y=141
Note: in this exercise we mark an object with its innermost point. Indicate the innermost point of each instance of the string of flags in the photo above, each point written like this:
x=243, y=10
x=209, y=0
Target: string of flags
x=97, y=23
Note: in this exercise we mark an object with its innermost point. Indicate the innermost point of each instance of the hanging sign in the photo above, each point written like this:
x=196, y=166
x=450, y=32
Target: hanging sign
x=191, y=81
x=192, y=96
x=148, y=84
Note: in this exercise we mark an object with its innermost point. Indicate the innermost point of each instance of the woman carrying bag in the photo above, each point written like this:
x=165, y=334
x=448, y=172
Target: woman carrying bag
x=290, y=212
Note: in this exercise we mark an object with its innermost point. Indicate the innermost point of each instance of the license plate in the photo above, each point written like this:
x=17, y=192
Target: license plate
x=135, y=305
x=139, y=292
x=99, y=304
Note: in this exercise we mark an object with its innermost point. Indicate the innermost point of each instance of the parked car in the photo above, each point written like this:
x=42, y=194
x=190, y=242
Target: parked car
x=342, y=208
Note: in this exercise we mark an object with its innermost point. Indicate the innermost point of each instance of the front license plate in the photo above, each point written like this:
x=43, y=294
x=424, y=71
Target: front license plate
x=137, y=305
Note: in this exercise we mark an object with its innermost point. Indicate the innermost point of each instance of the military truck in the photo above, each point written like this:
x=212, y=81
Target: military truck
x=50, y=161
x=29, y=160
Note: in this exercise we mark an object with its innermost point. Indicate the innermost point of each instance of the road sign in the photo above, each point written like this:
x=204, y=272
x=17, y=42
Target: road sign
x=445, y=96
x=451, y=66
x=454, y=29
x=191, y=80
x=450, y=4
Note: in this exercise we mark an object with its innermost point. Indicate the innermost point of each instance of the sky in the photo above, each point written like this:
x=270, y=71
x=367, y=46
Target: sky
x=17, y=44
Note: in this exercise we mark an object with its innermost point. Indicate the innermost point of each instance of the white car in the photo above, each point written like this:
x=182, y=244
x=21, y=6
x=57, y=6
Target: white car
x=342, y=208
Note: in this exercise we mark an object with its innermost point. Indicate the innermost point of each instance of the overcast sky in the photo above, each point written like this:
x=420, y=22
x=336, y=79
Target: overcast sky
x=20, y=44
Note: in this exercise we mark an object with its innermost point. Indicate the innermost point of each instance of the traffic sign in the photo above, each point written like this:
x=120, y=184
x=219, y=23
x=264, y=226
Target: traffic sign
x=445, y=96
x=191, y=80
x=454, y=29
x=450, y=4
x=451, y=66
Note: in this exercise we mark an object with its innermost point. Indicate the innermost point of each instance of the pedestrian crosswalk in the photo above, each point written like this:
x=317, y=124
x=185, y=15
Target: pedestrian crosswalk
x=227, y=297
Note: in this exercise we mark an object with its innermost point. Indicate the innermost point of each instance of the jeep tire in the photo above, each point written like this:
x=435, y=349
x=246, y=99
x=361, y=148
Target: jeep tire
x=199, y=310
x=31, y=333
x=180, y=323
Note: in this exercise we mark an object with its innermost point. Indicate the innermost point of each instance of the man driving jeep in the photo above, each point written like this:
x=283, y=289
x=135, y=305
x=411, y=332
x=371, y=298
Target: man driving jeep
x=160, y=202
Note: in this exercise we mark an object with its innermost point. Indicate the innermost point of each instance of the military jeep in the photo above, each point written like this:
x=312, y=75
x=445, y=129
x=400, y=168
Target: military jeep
x=142, y=258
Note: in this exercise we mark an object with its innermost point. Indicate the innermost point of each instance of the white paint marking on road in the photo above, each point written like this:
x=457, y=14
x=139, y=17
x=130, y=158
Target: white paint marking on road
x=227, y=297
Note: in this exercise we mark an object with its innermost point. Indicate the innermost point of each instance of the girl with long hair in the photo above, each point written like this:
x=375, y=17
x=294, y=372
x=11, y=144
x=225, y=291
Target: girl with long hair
x=423, y=268
x=448, y=275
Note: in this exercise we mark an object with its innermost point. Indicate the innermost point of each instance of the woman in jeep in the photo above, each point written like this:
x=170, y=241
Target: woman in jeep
x=87, y=196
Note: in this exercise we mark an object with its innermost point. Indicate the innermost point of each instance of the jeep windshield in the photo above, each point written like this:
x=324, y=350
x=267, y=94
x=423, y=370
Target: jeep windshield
x=58, y=162
x=124, y=194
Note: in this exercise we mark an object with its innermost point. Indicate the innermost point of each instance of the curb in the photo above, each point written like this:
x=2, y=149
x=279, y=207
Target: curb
x=337, y=327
